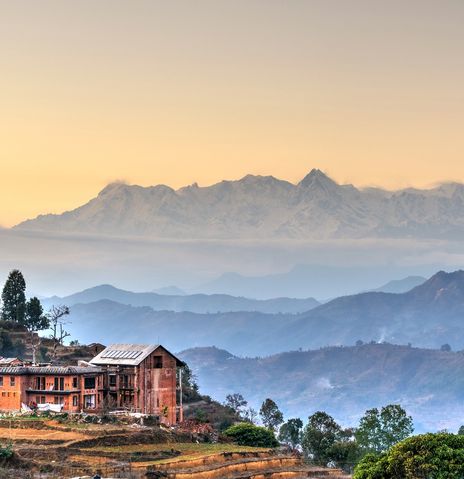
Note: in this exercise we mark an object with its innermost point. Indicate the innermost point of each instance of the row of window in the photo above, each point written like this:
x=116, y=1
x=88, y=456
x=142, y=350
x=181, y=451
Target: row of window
x=40, y=383
x=12, y=381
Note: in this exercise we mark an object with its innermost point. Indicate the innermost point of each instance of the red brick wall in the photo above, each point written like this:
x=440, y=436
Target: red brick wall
x=11, y=394
x=11, y=397
x=157, y=386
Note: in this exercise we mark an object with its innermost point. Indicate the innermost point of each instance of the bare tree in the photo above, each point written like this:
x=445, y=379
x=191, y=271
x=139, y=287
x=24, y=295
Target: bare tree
x=55, y=317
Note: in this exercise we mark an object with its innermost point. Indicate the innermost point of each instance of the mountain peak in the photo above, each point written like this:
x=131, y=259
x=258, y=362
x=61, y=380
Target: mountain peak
x=112, y=187
x=316, y=178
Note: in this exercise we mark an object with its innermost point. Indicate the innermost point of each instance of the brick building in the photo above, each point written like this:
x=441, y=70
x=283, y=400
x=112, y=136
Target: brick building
x=142, y=378
x=72, y=388
x=133, y=377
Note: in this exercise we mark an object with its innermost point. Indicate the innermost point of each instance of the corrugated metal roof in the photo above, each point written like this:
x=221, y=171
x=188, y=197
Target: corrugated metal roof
x=124, y=354
x=59, y=370
x=128, y=354
x=8, y=360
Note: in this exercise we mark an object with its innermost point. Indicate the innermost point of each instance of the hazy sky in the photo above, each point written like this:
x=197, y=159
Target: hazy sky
x=181, y=91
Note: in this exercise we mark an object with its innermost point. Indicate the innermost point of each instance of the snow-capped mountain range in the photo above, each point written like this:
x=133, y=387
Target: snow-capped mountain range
x=265, y=207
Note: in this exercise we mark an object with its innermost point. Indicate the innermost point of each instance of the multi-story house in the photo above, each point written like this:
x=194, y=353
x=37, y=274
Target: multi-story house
x=142, y=378
x=133, y=377
x=74, y=388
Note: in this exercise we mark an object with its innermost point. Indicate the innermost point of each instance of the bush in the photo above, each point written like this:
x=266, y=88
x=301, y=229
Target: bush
x=246, y=434
x=6, y=452
x=432, y=456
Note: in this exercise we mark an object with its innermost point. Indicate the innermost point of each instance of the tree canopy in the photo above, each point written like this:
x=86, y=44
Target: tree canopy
x=14, y=298
x=270, y=414
x=431, y=456
x=379, y=430
x=246, y=434
x=290, y=432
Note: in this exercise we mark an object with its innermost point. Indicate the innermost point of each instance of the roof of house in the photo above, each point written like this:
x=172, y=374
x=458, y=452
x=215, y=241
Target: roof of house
x=128, y=354
x=58, y=370
x=5, y=361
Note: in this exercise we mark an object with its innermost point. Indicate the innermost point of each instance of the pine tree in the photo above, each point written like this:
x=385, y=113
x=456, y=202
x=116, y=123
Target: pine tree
x=35, y=320
x=14, y=298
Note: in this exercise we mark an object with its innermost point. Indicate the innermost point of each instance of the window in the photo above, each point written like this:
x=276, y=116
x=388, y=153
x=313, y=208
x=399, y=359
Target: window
x=75, y=401
x=1, y=381
x=157, y=362
x=112, y=379
x=74, y=383
x=58, y=400
x=89, y=401
x=89, y=383
x=40, y=383
x=125, y=381
x=12, y=380
x=59, y=384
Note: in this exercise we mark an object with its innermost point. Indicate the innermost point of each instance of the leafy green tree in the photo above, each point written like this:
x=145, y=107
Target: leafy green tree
x=14, y=298
x=236, y=402
x=290, y=432
x=270, y=414
x=246, y=434
x=35, y=321
x=379, y=430
x=190, y=390
x=428, y=456
x=345, y=452
x=461, y=431
x=319, y=437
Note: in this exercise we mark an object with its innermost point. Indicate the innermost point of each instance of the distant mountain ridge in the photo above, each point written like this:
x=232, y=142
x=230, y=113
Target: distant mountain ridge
x=265, y=207
x=401, y=285
x=344, y=381
x=303, y=280
x=196, y=303
x=429, y=315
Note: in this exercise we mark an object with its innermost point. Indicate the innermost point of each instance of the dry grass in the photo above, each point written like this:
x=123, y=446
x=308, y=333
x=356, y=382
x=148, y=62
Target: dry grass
x=187, y=451
x=47, y=434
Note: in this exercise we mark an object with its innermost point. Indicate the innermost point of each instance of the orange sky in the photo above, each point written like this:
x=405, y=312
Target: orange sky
x=175, y=92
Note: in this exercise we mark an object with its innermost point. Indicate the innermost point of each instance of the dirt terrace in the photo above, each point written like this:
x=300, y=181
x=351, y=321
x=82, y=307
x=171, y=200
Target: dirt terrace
x=54, y=450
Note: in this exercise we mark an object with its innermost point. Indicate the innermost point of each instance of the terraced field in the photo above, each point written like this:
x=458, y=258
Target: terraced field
x=52, y=450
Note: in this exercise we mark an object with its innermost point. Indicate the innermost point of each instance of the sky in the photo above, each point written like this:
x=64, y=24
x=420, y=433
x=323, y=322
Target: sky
x=177, y=92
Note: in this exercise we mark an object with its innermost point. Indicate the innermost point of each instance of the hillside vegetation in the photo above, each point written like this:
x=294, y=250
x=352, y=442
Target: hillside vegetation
x=344, y=381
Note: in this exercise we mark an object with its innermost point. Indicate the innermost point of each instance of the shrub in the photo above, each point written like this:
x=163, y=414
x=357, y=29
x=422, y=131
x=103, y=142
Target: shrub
x=246, y=434
x=6, y=452
x=434, y=456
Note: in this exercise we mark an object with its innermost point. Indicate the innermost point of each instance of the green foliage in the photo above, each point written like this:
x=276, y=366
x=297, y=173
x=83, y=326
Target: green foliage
x=246, y=434
x=270, y=414
x=319, y=437
x=379, y=430
x=34, y=319
x=430, y=456
x=345, y=453
x=236, y=402
x=290, y=432
x=189, y=386
x=14, y=298
x=372, y=466
x=6, y=452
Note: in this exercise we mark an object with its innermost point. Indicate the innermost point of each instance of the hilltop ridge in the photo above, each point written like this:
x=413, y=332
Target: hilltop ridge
x=263, y=206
